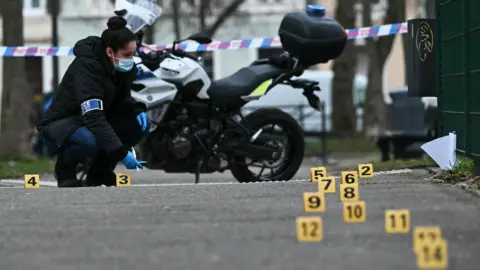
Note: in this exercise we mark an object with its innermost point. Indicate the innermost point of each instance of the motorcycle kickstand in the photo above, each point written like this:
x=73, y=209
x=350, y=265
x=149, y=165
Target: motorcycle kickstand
x=198, y=171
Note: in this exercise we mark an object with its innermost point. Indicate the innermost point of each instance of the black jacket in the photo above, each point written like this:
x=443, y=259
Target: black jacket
x=91, y=76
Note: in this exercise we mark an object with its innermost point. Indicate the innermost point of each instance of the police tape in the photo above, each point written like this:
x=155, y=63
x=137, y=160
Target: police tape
x=355, y=33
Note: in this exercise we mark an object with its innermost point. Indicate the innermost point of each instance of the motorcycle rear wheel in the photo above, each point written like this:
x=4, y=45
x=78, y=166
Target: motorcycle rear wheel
x=293, y=153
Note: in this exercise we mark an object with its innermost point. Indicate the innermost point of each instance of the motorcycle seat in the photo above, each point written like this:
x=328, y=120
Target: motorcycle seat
x=243, y=82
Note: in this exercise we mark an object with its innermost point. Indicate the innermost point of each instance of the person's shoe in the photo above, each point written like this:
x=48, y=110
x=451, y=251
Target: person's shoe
x=108, y=180
x=74, y=183
x=66, y=175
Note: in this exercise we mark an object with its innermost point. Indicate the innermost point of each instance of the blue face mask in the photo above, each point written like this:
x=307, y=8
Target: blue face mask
x=124, y=65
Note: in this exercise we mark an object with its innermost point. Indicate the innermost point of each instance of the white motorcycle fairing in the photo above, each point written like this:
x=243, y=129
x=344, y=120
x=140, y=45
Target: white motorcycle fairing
x=154, y=93
x=160, y=89
x=184, y=71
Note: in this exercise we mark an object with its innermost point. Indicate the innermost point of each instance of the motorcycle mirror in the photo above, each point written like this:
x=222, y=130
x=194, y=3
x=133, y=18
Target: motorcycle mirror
x=200, y=38
x=121, y=12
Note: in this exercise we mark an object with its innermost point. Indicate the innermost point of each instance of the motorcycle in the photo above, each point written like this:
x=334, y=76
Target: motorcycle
x=198, y=126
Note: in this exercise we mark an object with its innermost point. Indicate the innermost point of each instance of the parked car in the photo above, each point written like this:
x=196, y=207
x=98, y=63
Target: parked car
x=292, y=100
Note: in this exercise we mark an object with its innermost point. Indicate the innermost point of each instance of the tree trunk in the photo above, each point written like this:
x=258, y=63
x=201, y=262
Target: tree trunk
x=374, y=110
x=149, y=32
x=374, y=119
x=149, y=35
x=344, y=69
x=17, y=97
x=176, y=19
x=404, y=37
x=430, y=9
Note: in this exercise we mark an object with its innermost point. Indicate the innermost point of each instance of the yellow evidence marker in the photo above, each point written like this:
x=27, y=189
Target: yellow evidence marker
x=327, y=185
x=314, y=202
x=425, y=235
x=32, y=181
x=349, y=193
x=317, y=173
x=354, y=212
x=433, y=255
x=397, y=221
x=350, y=178
x=365, y=170
x=124, y=180
x=309, y=229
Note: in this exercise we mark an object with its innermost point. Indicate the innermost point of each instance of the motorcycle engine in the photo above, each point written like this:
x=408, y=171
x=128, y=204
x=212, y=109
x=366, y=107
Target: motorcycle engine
x=187, y=141
x=180, y=146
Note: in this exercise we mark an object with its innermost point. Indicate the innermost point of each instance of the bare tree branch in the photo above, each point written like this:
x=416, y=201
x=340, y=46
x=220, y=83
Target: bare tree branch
x=223, y=16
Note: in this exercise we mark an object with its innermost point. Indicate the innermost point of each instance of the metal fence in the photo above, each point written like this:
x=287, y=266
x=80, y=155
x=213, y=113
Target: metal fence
x=315, y=124
x=458, y=76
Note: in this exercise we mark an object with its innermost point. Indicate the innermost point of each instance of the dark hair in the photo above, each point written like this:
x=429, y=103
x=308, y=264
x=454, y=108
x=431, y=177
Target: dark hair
x=117, y=35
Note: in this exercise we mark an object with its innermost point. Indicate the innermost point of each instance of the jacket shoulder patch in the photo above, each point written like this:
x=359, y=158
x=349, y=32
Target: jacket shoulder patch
x=91, y=105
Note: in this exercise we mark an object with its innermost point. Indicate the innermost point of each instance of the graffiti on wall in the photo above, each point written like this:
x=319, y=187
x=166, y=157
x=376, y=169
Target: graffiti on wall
x=424, y=40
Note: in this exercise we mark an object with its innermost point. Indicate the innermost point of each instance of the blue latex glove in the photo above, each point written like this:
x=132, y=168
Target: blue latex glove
x=143, y=120
x=131, y=162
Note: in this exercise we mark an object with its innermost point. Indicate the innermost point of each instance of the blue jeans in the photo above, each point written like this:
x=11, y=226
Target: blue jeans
x=82, y=142
x=80, y=145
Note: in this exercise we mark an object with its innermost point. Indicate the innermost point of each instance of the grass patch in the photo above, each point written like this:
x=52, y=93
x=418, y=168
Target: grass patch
x=462, y=172
x=18, y=167
x=348, y=145
x=464, y=166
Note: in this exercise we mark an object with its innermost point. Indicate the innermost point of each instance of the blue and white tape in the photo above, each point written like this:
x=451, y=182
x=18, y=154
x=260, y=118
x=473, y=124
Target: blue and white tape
x=355, y=33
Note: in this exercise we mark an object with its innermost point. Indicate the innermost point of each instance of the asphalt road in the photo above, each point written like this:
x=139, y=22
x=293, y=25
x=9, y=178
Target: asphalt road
x=164, y=224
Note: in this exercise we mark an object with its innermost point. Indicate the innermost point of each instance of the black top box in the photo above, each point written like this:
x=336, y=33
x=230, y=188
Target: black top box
x=311, y=36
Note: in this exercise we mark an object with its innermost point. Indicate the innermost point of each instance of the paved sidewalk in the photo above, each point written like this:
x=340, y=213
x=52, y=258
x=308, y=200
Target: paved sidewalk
x=224, y=225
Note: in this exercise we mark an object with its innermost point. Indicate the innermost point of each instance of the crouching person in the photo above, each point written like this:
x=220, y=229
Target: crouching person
x=93, y=114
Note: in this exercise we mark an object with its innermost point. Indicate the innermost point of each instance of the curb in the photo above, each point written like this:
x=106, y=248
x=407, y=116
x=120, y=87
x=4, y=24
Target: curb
x=469, y=189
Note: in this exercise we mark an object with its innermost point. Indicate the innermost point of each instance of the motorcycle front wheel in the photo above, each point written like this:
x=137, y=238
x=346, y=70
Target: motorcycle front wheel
x=291, y=146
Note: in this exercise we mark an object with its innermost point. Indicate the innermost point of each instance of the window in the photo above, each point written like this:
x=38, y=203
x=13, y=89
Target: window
x=35, y=3
x=34, y=7
x=359, y=95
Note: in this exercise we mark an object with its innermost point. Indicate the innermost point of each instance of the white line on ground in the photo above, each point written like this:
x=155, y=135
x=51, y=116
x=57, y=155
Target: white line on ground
x=54, y=183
